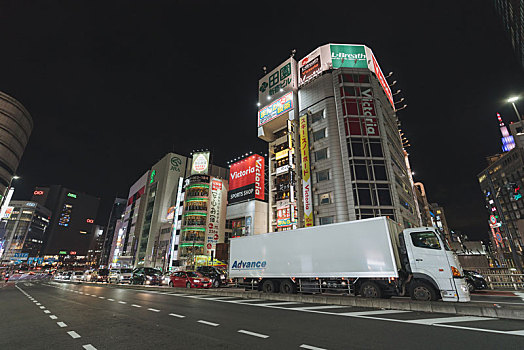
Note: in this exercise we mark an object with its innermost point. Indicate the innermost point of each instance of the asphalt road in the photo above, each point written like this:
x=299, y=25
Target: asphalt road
x=37, y=315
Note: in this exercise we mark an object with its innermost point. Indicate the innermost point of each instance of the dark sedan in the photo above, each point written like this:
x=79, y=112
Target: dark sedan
x=146, y=275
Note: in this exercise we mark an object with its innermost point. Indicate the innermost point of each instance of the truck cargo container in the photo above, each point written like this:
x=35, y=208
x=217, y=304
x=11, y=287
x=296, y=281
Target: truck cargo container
x=374, y=258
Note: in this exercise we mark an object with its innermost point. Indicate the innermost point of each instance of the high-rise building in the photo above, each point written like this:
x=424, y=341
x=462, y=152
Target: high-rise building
x=145, y=235
x=26, y=229
x=200, y=216
x=335, y=151
x=94, y=253
x=511, y=13
x=16, y=125
x=117, y=211
x=72, y=220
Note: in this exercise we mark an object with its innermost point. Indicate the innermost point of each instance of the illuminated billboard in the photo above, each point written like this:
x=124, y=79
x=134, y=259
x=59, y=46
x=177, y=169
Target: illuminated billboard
x=200, y=163
x=306, y=173
x=246, y=179
x=277, y=82
x=275, y=109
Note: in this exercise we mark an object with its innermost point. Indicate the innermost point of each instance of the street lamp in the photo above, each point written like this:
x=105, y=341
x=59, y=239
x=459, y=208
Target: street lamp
x=512, y=100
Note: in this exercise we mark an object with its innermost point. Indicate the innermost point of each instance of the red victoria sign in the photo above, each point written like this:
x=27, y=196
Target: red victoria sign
x=248, y=172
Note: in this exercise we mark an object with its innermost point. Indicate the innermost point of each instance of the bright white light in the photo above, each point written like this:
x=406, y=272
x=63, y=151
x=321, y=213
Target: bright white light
x=258, y=104
x=513, y=99
x=269, y=97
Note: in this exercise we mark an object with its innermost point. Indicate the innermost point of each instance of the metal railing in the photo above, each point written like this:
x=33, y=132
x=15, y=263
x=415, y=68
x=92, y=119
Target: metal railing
x=500, y=277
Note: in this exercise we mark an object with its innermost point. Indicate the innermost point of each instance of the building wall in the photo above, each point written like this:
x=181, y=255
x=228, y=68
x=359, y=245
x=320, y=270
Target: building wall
x=16, y=125
x=254, y=209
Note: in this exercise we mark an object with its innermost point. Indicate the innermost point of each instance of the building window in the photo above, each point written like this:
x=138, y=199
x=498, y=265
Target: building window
x=321, y=154
x=326, y=220
x=323, y=175
x=324, y=198
x=315, y=117
x=320, y=134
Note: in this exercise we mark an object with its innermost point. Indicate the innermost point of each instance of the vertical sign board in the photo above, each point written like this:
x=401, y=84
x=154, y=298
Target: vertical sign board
x=306, y=174
x=216, y=216
x=374, y=67
x=175, y=220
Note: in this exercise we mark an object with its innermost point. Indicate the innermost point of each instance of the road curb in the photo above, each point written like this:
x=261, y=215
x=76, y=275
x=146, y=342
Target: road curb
x=463, y=309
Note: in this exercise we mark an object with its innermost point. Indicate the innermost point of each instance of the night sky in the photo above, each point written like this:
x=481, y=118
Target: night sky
x=112, y=86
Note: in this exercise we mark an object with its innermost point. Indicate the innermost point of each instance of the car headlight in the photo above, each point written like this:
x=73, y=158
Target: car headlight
x=196, y=280
x=222, y=277
x=149, y=277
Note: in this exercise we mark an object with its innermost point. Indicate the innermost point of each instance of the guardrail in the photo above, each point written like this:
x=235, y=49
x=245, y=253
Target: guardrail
x=500, y=277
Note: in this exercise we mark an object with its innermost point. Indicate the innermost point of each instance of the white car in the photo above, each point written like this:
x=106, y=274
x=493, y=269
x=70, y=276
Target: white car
x=77, y=276
x=122, y=275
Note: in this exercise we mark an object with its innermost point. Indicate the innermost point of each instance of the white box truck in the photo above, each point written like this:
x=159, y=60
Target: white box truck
x=374, y=258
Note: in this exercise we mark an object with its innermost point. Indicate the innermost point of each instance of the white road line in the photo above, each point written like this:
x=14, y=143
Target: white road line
x=310, y=347
x=122, y=302
x=35, y=301
x=47, y=311
x=81, y=292
x=89, y=347
x=101, y=297
x=155, y=310
x=53, y=317
x=277, y=304
x=73, y=334
x=111, y=299
x=42, y=307
x=374, y=312
x=176, y=315
x=38, y=304
x=178, y=295
x=208, y=323
x=316, y=307
x=450, y=319
x=135, y=305
x=516, y=332
x=61, y=324
x=219, y=298
x=253, y=334
x=93, y=295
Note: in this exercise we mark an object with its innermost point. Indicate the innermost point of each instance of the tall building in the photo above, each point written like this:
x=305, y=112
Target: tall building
x=511, y=14
x=431, y=214
x=26, y=229
x=145, y=235
x=72, y=221
x=94, y=253
x=200, y=217
x=335, y=151
x=16, y=125
x=117, y=211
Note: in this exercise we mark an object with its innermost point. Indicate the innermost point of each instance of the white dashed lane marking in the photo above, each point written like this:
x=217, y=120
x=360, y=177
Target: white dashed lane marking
x=111, y=299
x=310, y=347
x=42, y=307
x=177, y=315
x=53, y=317
x=208, y=323
x=253, y=334
x=89, y=347
x=135, y=305
x=122, y=302
x=47, y=311
x=61, y=324
x=154, y=310
x=73, y=334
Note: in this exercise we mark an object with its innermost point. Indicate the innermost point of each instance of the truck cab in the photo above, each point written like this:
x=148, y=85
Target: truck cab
x=433, y=266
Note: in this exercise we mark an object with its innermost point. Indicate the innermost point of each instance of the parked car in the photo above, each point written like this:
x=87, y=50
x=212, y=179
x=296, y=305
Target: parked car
x=122, y=275
x=217, y=276
x=166, y=278
x=146, y=275
x=76, y=276
x=475, y=280
x=102, y=275
x=189, y=279
x=89, y=276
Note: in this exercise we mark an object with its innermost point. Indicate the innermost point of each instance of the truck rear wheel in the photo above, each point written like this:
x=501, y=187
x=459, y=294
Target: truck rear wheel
x=422, y=291
x=269, y=286
x=370, y=289
x=288, y=287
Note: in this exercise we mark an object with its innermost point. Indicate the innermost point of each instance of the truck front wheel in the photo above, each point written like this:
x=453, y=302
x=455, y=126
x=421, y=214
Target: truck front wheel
x=422, y=291
x=370, y=290
x=269, y=286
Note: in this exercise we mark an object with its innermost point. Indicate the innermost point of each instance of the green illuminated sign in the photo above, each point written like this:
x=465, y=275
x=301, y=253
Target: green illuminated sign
x=153, y=173
x=350, y=56
x=62, y=252
x=190, y=245
x=72, y=195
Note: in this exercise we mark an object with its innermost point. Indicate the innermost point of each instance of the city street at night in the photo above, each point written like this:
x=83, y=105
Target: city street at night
x=71, y=316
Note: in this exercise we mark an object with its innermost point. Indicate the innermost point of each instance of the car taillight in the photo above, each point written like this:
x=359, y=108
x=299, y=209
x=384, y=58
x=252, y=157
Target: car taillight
x=455, y=271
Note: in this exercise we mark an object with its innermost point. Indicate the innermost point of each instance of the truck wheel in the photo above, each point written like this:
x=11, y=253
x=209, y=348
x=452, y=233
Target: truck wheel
x=269, y=287
x=370, y=290
x=288, y=287
x=422, y=291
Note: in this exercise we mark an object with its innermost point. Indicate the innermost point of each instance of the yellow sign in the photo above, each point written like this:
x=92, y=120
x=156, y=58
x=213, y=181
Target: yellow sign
x=281, y=154
x=306, y=174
